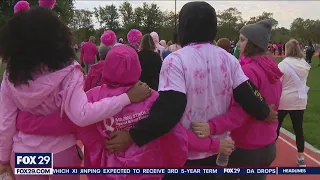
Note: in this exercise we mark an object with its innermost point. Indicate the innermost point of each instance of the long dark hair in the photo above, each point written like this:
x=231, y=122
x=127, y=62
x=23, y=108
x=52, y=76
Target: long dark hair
x=175, y=38
x=147, y=43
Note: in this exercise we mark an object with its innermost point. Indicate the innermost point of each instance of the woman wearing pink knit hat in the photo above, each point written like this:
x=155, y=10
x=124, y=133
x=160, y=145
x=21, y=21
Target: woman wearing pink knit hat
x=134, y=36
x=108, y=38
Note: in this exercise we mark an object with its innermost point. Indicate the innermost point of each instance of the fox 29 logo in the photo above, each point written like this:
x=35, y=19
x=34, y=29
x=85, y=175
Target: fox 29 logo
x=33, y=160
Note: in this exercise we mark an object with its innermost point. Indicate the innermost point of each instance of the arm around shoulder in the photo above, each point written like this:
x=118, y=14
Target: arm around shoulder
x=84, y=113
x=165, y=113
x=168, y=109
x=234, y=118
x=248, y=96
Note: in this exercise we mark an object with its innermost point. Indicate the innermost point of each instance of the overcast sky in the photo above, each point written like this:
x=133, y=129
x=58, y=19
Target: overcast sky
x=284, y=11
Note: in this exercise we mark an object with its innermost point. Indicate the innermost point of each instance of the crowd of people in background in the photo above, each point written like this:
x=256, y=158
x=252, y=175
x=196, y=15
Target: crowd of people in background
x=149, y=48
x=164, y=49
x=148, y=102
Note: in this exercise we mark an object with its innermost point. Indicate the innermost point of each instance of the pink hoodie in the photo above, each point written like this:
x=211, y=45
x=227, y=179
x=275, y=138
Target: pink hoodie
x=93, y=78
x=88, y=52
x=246, y=131
x=59, y=91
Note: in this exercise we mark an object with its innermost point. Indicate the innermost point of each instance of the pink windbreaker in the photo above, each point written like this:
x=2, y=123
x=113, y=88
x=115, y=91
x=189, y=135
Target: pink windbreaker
x=88, y=52
x=93, y=78
x=246, y=131
x=56, y=92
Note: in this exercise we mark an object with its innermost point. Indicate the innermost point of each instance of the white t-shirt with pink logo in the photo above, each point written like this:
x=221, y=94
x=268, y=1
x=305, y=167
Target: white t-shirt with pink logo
x=207, y=74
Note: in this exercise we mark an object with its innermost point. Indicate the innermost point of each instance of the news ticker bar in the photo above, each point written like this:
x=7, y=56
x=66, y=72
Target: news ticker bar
x=186, y=171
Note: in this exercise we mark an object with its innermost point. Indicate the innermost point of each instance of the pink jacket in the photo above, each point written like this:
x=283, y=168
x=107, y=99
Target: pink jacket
x=88, y=52
x=55, y=92
x=242, y=59
x=246, y=131
x=93, y=78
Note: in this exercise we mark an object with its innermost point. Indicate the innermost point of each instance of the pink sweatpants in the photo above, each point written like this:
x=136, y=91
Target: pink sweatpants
x=66, y=158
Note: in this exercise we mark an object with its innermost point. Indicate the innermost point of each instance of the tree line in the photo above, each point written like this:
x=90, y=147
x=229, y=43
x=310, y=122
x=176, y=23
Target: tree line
x=149, y=17
x=64, y=8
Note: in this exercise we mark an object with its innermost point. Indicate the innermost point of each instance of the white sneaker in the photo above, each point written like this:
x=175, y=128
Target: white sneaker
x=301, y=162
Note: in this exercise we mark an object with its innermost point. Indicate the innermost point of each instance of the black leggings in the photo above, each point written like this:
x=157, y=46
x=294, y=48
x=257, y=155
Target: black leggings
x=207, y=162
x=296, y=117
x=309, y=60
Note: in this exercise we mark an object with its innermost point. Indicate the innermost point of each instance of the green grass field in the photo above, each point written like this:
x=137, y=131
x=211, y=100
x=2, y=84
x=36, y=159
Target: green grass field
x=312, y=114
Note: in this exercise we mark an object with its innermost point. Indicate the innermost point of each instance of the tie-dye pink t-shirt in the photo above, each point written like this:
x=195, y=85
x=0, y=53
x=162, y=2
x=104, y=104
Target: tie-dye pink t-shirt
x=207, y=74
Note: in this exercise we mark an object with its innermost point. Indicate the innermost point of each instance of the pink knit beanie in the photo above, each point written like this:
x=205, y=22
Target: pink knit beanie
x=21, y=6
x=47, y=3
x=134, y=36
x=108, y=38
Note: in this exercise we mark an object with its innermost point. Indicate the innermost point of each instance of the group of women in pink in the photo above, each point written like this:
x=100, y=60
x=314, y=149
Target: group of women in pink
x=203, y=95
